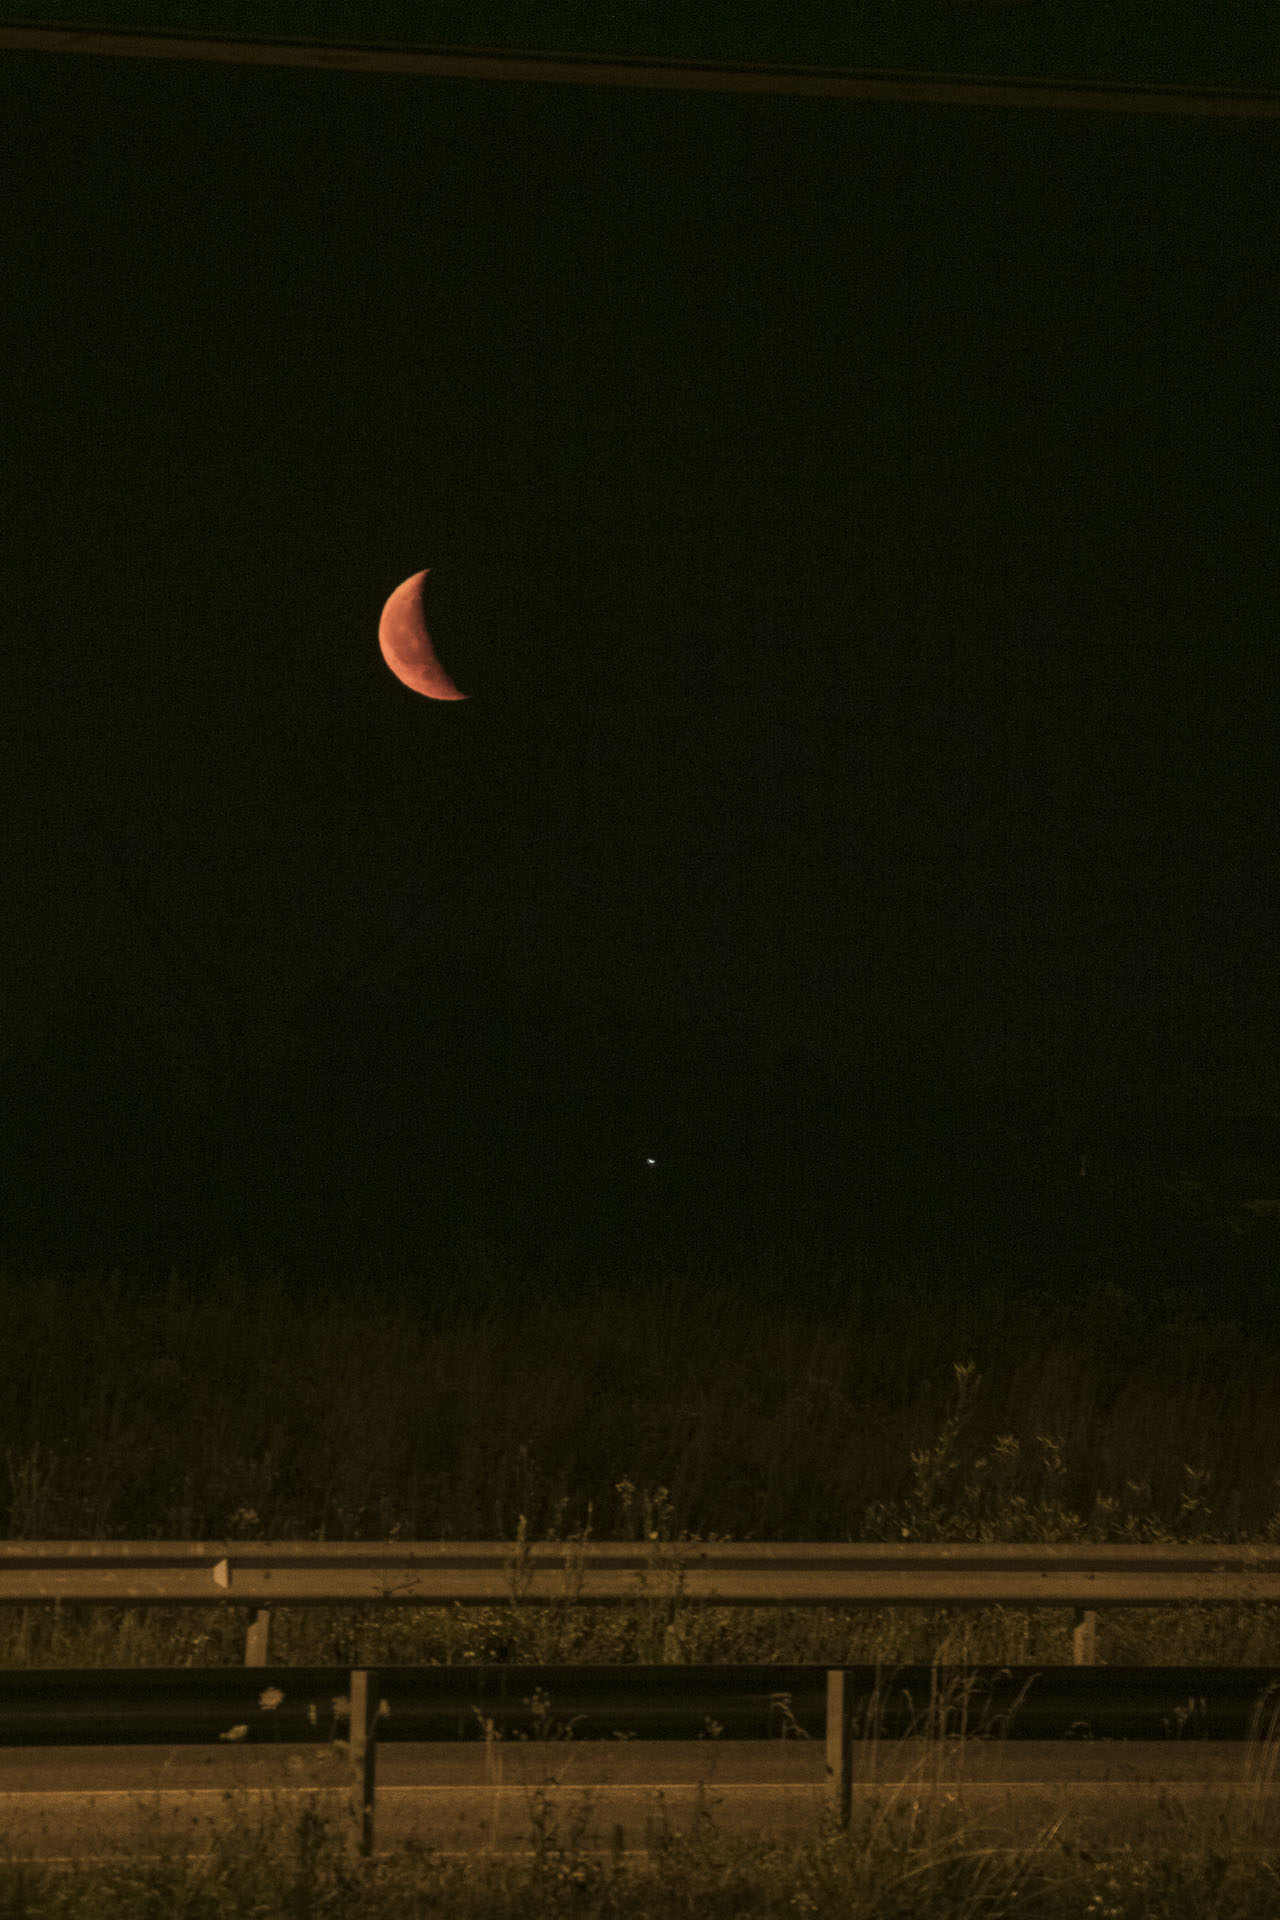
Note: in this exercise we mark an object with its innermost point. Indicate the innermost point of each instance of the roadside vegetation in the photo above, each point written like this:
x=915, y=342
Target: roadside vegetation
x=797, y=1399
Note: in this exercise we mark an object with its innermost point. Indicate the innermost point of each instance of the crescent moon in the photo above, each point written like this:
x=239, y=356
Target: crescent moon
x=406, y=644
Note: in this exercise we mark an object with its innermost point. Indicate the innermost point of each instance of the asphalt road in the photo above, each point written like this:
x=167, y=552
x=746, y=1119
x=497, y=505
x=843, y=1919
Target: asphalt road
x=66, y=1804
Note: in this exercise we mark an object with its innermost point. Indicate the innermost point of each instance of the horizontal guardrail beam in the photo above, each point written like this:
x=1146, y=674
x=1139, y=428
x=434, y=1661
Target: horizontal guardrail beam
x=666, y=72
x=173, y=1707
x=304, y=1573
x=480, y=1573
x=851, y=1709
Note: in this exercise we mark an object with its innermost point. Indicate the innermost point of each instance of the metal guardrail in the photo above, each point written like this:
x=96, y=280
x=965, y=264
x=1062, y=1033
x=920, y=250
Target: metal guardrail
x=304, y=1573
x=643, y=70
x=854, y=1710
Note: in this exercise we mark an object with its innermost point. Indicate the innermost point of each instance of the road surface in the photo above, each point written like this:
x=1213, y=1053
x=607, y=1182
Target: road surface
x=77, y=1803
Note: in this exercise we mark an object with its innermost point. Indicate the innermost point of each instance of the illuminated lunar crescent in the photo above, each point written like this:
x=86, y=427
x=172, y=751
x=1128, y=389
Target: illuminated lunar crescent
x=406, y=644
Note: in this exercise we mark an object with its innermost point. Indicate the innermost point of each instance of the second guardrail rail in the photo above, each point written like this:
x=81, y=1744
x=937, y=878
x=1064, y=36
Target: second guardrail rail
x=853, y=1710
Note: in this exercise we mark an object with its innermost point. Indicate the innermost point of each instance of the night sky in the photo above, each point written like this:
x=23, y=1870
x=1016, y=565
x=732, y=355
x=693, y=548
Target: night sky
x=854, y=527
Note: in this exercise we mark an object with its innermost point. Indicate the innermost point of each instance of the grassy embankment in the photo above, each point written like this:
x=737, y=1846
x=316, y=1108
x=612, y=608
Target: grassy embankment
x=852, y=1404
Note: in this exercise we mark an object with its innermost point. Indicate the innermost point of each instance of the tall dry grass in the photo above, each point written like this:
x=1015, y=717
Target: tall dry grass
x=828, y=1402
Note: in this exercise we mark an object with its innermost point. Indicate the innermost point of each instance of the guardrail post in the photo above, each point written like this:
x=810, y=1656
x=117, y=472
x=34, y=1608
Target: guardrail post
x=361, y=1729
x=839, y=1750
x=257, y=1640
x=1084, y=1638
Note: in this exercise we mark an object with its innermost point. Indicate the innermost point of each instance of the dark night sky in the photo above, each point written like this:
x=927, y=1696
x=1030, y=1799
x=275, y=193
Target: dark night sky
x=854, y=526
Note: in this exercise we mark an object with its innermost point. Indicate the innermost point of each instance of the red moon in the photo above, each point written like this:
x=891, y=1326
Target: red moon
x=406, y=644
